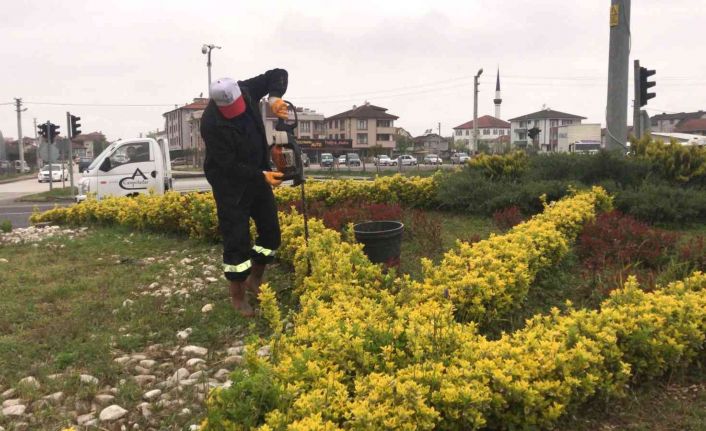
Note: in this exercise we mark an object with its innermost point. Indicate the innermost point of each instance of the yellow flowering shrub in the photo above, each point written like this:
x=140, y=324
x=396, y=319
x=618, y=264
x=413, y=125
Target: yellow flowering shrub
x=369, y=351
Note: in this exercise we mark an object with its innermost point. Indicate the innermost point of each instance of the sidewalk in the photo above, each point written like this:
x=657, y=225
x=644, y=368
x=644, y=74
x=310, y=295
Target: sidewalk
x=18, y=178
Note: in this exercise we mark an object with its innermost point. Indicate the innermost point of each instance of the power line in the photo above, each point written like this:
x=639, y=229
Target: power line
x=101, y=104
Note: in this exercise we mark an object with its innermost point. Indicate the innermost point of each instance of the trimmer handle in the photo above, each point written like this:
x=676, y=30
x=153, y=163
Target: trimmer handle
x=283, y=126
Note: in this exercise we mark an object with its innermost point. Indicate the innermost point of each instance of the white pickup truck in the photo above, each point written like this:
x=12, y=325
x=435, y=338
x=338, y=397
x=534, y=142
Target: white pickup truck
x=130, y=167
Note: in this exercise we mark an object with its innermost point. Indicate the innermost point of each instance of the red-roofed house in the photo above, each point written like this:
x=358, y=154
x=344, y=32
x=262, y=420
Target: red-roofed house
x=366, y=125
x=695, y=126
x=491, y=130
x=178, y=124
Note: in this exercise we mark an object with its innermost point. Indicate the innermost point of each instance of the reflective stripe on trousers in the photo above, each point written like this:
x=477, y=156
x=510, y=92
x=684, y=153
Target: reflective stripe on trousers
x=263, y=251
x=241, y=267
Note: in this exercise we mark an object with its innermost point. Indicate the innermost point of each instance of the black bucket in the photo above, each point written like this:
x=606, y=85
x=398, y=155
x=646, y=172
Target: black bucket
x=382, y=241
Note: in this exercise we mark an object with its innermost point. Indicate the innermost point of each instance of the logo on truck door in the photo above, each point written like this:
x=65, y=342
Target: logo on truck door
x=138, y=181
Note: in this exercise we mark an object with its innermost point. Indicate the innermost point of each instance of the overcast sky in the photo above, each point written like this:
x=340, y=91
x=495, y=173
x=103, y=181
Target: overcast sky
x=416, y=58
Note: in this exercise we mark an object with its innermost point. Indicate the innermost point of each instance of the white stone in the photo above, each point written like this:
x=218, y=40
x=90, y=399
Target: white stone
x=8, y=393
x=187, y=382
x=237, y=350
x=3, y=260
x=194, y=351
x=122, y=360
x=89, y=379
x=233, y=360
x=263, y=351
x=180, y=374
x=183, y=335
x=185, y=412
x=29, y=381
x=147, y=363
x=154, y=285
x=193, y=362
x=138, y=357
x=12, y=402
x=194, y=427
x=221, y=374
x=81, y=420
x=16, y=410
x=112, y=413
x=211, y=279
x=128, y=302
x=143, y=380
x=206, y=308
x=151, y=395
x=56, y=397
x=91, y=423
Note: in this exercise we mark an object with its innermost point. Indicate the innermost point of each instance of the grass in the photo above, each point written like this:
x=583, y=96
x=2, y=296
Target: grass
x=56, y=194
x=62, y=307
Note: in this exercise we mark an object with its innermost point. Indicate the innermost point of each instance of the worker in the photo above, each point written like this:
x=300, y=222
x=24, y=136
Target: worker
x=237, y=165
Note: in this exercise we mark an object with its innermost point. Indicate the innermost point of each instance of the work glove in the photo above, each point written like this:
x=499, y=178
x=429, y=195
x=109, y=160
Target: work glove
x=273, y=178
x=279, y=107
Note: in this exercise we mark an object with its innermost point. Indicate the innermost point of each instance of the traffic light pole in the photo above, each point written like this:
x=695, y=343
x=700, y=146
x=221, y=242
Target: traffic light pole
x=50, y=140
x=636, y=117
x=618, y=70
x=71, y=167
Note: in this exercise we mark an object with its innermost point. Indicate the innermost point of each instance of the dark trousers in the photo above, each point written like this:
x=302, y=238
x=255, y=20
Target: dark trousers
x=235, y=208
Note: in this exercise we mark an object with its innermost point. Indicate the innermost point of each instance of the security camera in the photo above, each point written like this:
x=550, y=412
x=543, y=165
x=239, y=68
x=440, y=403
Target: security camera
x=204, y=49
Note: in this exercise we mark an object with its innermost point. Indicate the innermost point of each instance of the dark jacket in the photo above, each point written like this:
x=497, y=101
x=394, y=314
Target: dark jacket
x=236, y=154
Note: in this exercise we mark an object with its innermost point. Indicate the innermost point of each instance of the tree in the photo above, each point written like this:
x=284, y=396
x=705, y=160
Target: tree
x=533, y=134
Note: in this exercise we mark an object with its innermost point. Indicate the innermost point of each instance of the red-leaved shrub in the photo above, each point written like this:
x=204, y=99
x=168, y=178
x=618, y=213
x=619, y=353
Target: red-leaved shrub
x=506, y=218
x=618, y=241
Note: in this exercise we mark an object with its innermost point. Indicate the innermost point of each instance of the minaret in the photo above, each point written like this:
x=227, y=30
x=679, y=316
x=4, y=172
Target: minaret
x=497, y=99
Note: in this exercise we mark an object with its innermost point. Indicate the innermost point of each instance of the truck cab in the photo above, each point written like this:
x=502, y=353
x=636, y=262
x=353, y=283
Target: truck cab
x=128, y=168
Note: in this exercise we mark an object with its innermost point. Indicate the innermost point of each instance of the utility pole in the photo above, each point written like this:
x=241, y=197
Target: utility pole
x=618, y=69
x=636, y=117
x=69, y=134
x=20, y=146
x=36, y=142
x=475, y=111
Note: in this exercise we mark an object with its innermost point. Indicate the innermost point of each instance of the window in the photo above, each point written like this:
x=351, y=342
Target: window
x=495, y=131
x=343, y=125
x=132, y=153
x=536, y=123
x=384, y=123
x=486, y=131
x=553, y=123
x=467, y=132
x=305, y=126
x=343, y=136
x=459, y=132
x=502, y=132
x=565, y=122
x=362, y=139
x=362, y=124
x=384, y=137
x=522, y=124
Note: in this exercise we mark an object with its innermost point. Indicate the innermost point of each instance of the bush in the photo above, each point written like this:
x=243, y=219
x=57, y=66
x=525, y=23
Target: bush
x=506, y=218
x=673, y=162
x=589, y=169
x=509, y=167
x=6, y=226
x=663, y=203
x=614, y=240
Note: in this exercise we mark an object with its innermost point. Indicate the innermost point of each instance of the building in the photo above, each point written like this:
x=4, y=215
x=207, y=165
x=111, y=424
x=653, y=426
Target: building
x=431, y=143
x=669, y=122
x=366, y=125
x=491, y=132
x=177, y=124
x=694, y=126
x=88, y=144
x=578, y=137
x=311, y=123
x=547, y=121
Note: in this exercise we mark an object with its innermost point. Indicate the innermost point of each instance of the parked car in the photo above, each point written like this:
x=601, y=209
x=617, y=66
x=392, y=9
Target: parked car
x=432, y=159
x=342, y=160
x=58, y=172
x=353, y=159
x=5, y=166
x=83, y=163
x=404, y=160
x=21, y=166
x=382, y=160
x=179, y=161
x=459, y=158
x=326, y=160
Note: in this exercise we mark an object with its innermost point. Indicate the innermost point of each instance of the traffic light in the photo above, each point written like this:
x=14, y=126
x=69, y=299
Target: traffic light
x=43, y=130
x=53, y=131
x=75, y=126
x=646, y=85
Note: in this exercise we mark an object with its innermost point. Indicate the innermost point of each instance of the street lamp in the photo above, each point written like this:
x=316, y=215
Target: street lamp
x=206, y=49
x=475, y=109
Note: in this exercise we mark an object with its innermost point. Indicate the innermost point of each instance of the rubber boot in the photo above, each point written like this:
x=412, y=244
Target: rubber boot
x=254, y=280
x=238, y=300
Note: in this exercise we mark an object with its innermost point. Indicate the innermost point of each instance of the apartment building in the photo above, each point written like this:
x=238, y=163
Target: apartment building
x=311, y=123
x=366, y=125
x=547, y=121
x=178, y=124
